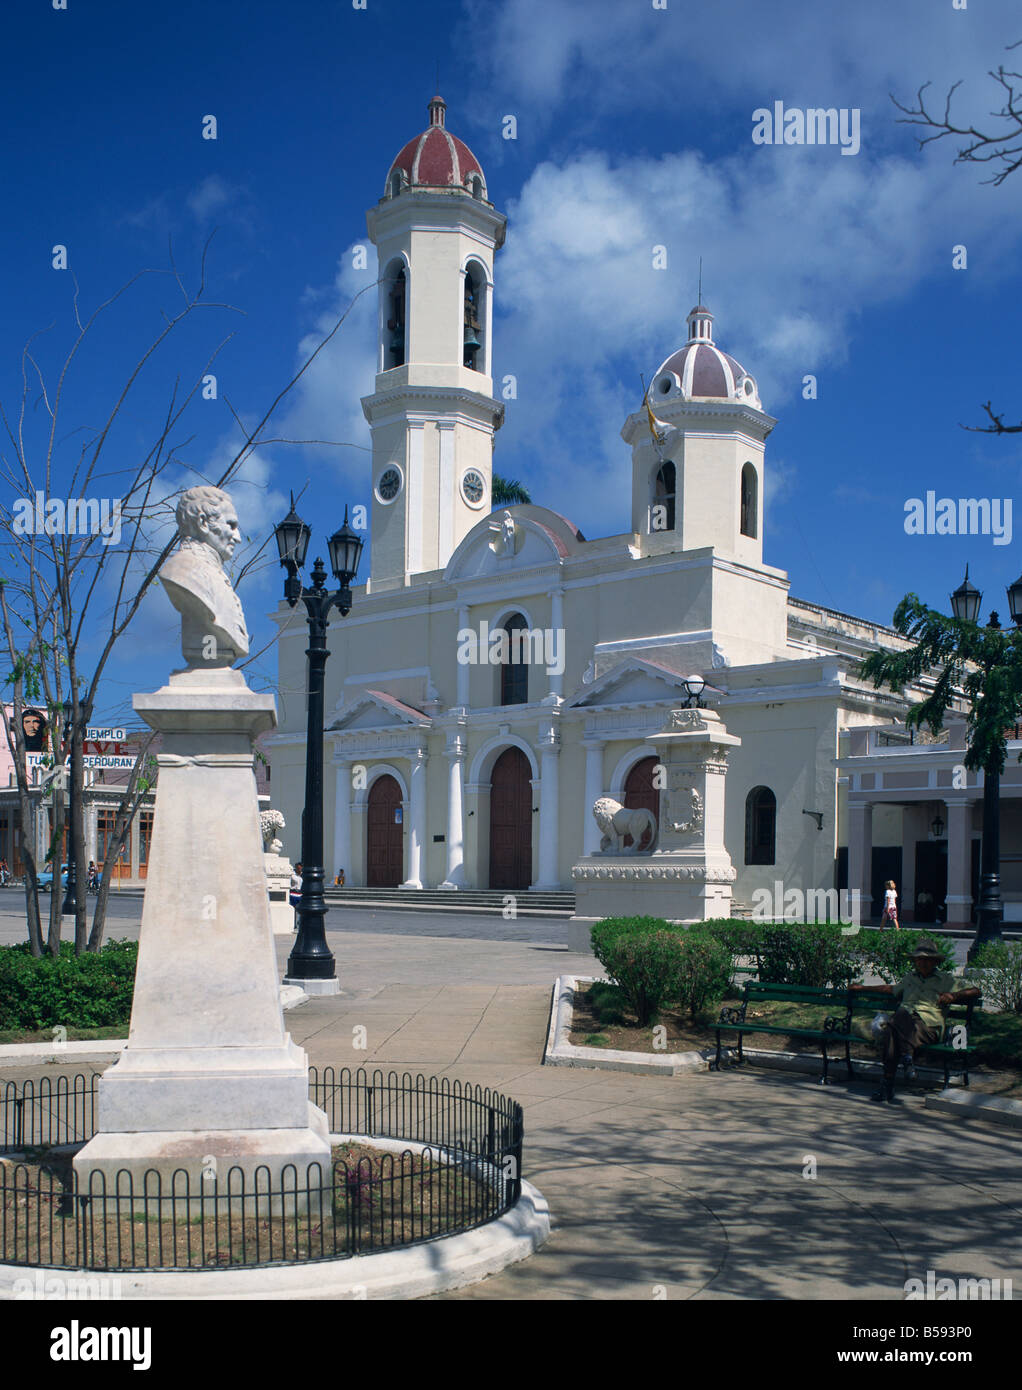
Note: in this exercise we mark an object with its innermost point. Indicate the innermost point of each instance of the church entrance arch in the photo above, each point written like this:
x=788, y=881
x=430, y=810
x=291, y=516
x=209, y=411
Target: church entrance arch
x=384, y=835
x=511, y=821
x=640, y=793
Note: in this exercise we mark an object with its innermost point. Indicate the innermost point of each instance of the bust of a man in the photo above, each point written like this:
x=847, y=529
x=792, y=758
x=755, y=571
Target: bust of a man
x=213, y=631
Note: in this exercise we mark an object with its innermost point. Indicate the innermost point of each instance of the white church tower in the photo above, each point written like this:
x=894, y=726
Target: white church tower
x=433, y=414
x=700, y=483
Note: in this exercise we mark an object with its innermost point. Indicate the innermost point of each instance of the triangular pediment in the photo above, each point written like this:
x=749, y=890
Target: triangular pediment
x=375, y=709
x=631, y=682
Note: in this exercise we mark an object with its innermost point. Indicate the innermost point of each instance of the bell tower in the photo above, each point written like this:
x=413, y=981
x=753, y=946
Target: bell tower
x=433, y=414
x=698, y=452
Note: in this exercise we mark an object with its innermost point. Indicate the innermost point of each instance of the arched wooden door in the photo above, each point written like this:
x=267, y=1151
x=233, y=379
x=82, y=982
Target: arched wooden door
x=511, y=821
x=640, y=792
x=384, y=839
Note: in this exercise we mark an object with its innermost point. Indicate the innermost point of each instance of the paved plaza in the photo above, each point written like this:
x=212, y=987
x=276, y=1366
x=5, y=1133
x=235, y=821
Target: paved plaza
x=688, y=1187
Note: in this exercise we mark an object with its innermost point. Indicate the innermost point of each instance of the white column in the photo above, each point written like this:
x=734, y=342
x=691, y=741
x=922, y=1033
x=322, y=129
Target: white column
x=342, y=820
x=594, y=790
x=42, y=835
x=357, y=876
x=549, y=810
x=92, y=830
x=416, y=510
x=557, y=623
x=134, y=832
x=913, y=819
x=464, y=670
x=447, y=501
x=455, y=754
x=417, y=820
x=959, y=863
x=860, y=855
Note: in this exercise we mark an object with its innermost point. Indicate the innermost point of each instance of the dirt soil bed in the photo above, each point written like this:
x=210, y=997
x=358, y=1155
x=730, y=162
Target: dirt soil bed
x=373, y=1200
x=606, y=1021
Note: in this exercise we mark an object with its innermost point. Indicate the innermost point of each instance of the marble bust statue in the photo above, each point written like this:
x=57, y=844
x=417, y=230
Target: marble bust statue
x=213, y=631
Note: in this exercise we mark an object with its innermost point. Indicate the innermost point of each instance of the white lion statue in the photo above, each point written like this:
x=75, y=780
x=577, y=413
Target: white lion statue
x=269, y=823
x=617, y=821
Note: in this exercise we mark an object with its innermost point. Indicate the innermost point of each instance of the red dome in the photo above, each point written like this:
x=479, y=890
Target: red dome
x=701, y=371
x=436, y=159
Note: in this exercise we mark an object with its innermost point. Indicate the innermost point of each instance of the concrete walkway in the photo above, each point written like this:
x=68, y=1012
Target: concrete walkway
x=691, y=1186
x=684, y=1187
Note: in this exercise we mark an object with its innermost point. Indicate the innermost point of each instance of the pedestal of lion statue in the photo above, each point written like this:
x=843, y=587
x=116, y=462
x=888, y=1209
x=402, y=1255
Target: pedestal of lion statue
x=683, y=873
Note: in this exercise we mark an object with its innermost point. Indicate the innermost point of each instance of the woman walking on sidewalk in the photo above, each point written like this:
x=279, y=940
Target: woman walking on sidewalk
x=890, y=906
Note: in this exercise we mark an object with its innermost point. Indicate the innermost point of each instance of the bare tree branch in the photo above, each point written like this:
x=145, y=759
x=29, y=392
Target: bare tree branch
x=997, y=427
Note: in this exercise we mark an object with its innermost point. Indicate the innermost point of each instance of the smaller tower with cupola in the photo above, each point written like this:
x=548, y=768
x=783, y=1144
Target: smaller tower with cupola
x=433, y=413
x=698, y=448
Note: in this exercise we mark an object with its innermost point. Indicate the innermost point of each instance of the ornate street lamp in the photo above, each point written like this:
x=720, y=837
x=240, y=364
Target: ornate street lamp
x=70, y=904
x=966, y=599
x=311, y=962
x=694, y=686
x=1015, y=601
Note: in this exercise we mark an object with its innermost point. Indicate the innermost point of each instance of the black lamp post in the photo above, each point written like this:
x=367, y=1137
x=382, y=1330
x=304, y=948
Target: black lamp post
x=965, y=604
x=311, y=958
x=70, y=904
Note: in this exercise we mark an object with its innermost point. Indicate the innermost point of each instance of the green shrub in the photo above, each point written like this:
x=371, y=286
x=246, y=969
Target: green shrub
x=654, y=963
x=808, y=953
x=743, y=938
x=88, y=991
x=889, y=953
x=645, y=965
x=604, y=933
x=1001, y=981
x=741, y=935
x=704, y=968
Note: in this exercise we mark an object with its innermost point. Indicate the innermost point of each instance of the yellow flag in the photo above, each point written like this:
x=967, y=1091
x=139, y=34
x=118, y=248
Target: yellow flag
x=657, y=428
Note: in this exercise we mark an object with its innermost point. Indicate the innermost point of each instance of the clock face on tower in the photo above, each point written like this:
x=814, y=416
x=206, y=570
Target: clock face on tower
x=473, y=487
x=389, y=485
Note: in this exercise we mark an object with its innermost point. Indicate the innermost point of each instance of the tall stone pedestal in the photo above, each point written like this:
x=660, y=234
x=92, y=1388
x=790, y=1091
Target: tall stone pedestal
x=278, y=888
x=209, y=1072
x=688, y=875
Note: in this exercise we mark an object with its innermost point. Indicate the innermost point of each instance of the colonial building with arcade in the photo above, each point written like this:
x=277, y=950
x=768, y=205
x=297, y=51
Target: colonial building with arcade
x=449, y=763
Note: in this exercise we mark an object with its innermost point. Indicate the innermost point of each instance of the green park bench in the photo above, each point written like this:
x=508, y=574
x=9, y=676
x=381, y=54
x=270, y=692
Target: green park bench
x=832, y=1003
x=956, y=1016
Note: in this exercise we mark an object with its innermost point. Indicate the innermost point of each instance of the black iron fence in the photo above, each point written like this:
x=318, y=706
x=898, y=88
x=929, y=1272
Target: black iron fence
x=364, y=1201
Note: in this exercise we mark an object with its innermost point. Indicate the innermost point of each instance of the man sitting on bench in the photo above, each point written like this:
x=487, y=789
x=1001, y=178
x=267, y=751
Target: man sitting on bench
x=925, y=993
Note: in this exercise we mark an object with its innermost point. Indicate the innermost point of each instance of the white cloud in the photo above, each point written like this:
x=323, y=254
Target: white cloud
x=799, y=246
x=594, y=57
x=209, y=197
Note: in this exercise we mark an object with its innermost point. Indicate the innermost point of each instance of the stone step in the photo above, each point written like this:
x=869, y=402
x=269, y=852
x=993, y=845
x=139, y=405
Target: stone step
x=468, y=900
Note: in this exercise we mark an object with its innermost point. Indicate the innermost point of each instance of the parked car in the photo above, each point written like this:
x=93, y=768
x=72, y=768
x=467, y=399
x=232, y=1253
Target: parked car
x=46, y=878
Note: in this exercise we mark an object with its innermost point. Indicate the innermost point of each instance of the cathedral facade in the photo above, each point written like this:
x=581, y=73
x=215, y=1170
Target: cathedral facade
x=498, y=671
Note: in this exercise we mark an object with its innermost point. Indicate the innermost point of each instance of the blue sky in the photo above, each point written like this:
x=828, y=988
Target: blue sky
x=634, y=130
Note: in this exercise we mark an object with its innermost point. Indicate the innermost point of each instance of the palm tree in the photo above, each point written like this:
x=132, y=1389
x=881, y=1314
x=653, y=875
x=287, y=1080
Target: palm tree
x=505, y=492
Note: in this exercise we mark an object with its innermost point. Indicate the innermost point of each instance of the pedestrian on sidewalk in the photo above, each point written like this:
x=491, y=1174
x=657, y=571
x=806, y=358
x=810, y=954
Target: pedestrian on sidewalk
x=890, y=906
x=925, y=992
x=295, y=895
